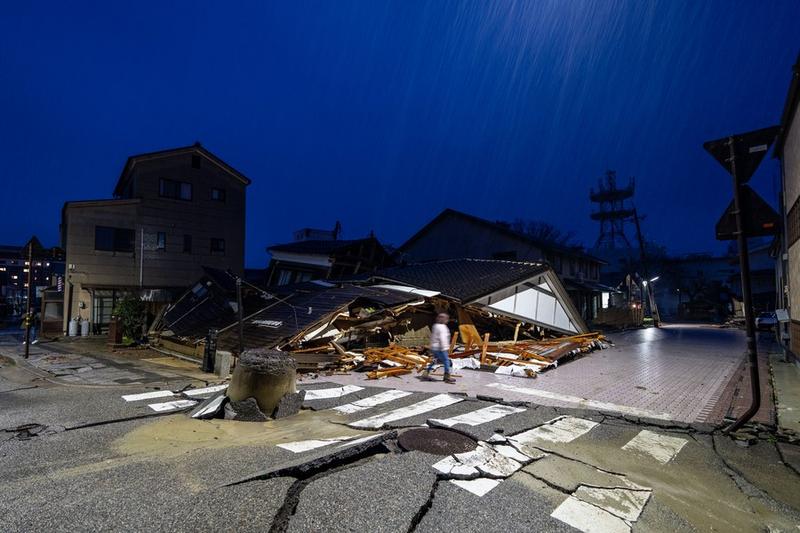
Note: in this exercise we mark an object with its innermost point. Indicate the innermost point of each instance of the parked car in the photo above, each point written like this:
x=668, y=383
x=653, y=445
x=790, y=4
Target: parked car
x=766, y=320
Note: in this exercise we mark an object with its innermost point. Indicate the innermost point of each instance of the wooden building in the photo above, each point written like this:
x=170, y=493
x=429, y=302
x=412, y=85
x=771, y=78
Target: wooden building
x=454, y=235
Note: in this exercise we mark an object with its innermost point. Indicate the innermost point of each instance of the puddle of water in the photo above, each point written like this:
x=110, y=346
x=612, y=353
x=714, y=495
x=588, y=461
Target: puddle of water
x=180, y=434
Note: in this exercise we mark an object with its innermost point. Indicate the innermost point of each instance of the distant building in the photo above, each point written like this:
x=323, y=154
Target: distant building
x=454, y=235
x=787, y=149
x=305, y=260
x=48, y=270
x=173, y=212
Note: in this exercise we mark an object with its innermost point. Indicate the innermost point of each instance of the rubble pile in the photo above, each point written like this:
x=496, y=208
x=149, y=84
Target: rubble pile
x=510, y=317
x=401, y=350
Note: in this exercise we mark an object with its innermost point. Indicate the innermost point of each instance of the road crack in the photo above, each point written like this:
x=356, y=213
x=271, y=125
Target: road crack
x=426, y=506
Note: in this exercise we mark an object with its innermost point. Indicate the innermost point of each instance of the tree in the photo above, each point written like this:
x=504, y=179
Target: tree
x=544, y=232
x=130, y=312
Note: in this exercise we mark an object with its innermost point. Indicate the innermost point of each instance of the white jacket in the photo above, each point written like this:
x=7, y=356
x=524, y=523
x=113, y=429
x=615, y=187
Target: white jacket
x=440, y=337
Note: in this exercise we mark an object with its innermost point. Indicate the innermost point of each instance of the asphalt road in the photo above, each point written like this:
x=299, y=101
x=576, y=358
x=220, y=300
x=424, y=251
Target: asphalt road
x=91, y=464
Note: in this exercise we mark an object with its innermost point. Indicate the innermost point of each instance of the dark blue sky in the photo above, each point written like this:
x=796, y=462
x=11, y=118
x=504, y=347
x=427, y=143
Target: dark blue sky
x=380, y=114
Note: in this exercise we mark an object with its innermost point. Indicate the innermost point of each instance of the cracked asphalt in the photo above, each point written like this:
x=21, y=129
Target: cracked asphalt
x=96, y=462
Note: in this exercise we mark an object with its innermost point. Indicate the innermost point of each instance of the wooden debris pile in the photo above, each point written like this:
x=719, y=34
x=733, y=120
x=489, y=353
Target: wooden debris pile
x=392, y=341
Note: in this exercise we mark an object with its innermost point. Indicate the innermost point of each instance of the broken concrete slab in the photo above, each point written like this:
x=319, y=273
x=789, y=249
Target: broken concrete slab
x=244, y=411
x=289, y=404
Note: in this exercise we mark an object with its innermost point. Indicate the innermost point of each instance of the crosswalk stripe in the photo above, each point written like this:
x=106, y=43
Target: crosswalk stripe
x=660, y=447
x=435, y=402
x=478, y=487
x=336, y=392
x=205, y=390
x=588, y=518
x=148, y=395
x=480, y=416
x=561, y=429
x=583, y=402
x=169, y=406
x=312, y=444
x=372, y=401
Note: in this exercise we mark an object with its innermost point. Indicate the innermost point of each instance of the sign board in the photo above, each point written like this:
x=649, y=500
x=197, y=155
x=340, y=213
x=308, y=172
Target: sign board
x=750, y=148
x=759, y=219
x=782, y=315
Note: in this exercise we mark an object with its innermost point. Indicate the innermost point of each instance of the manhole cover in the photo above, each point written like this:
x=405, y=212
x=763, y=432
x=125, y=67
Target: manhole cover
x=436, y=441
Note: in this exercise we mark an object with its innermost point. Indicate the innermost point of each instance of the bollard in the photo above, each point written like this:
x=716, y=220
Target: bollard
x=266, y=375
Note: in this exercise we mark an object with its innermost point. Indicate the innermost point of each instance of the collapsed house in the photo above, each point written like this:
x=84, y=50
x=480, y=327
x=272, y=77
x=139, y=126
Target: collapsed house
x=515, y=315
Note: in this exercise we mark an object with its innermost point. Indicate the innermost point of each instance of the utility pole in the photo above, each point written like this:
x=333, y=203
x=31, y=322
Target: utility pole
x=28, y=313
x=747, y=295
x=648, y=286
x=239, y=312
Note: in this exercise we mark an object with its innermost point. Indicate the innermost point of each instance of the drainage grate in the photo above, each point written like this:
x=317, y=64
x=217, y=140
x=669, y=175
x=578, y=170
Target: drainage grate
x=436, y=441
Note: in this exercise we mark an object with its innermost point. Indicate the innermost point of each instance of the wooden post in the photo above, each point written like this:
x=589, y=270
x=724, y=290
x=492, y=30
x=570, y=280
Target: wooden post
x=453, y=343
x=516, y=332
x=484, y=348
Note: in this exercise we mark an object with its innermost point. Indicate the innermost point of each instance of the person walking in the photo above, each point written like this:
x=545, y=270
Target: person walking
x=440, y=346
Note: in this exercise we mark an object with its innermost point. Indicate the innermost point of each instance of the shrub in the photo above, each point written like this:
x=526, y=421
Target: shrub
x=130, y=312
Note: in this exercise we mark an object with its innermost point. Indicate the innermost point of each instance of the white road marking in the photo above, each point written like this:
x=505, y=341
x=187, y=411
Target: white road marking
x=148, y=395
x=660, y=447
x=435, y=402
x=362, y=439
x=588, y=518
x=583, y=402
x=372, y=401
x=211, y=407
x=337, y=392
x=479, y=486
x=622, y=503
x=561, y=429
x=481, y=416
x=169, y=406
x=205, y=390
x=306, y=445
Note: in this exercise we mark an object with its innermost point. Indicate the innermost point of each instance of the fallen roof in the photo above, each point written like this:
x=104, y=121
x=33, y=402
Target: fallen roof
x=313, y=303
x=464, y=280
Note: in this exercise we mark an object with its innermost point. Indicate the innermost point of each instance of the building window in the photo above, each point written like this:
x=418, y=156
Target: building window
x=218, y=195
x=161, y=241
x=178, y=190
x=195, y=161
x=793, y=223
x=113, y=239
x=187, y=244
x=217, y=246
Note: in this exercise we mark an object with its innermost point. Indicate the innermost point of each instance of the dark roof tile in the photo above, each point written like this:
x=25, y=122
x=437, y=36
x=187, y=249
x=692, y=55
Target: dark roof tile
x=463, y=279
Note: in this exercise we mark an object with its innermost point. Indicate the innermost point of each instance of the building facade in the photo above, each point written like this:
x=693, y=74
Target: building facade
x=453, y=235
x=173, y=212
x=787, y=150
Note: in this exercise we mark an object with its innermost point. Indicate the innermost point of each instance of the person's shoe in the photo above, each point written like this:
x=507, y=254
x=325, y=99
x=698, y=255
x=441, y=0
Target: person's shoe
x=448, y=379
x=34, y=341
x=426, y=375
